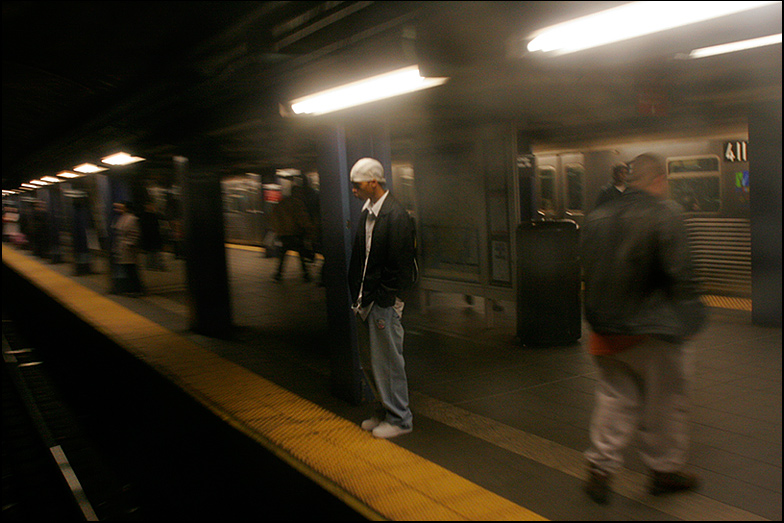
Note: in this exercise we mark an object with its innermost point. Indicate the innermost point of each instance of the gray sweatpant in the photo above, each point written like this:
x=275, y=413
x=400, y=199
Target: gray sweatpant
x=642, y=390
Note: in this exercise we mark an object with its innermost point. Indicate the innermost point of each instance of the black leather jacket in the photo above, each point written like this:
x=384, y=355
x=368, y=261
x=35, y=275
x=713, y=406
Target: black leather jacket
x=638, y=271
x=391, y=259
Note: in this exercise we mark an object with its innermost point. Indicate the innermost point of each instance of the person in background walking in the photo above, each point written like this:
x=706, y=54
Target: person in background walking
x=293, y=228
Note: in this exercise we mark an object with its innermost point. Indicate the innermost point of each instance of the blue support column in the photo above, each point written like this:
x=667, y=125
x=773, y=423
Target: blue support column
x=346, y=374
x=339, y=213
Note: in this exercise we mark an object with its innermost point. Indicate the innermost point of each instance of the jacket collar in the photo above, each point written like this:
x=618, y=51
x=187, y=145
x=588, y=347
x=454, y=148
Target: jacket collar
x=376, y=208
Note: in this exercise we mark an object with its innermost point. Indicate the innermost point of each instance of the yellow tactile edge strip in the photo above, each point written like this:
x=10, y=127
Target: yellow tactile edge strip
x=254, y=248
x=375, y=477
x=727, y=302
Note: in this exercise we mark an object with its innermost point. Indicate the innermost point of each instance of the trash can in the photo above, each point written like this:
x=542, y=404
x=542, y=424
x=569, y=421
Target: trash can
x=548, y=279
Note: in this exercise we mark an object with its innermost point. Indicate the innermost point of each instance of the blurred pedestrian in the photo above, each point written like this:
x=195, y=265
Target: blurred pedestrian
x=173, y=217
x=643, y=307
x=10, y=223
x=617, y=185
x=152, y=241
x=313, y=204
x=294, y=229
x=40, y=229
x=380, y=271
x=127, y=234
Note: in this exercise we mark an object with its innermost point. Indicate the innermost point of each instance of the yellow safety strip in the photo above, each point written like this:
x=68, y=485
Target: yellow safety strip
x=727, y=302
x=375, y=477
x=254, y=248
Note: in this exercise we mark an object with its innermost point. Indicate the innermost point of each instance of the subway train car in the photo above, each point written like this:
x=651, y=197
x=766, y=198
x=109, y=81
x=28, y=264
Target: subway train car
x=708, y=175
x=243, y=209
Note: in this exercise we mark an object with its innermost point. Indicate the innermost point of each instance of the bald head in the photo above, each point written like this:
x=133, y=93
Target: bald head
x=647, y=173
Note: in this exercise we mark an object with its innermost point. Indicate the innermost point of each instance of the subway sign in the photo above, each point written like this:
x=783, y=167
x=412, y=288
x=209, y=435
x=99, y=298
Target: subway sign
x=736, y=151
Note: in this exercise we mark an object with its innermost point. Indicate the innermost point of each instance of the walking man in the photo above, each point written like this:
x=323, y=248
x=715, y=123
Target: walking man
x=642, y=304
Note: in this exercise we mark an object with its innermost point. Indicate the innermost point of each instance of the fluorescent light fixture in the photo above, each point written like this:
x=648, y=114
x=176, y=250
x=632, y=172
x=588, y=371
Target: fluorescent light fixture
x=29, y=186
x=385, y=85
x=51, y=179
x=121, y=159
x=68, y=174
x=39, y=182
x=629, y=21
x=88, y=168
x=734, y=46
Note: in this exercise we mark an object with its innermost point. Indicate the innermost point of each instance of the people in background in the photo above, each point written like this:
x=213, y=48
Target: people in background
x=294, y=230
x=10, y=223
x=40, y=229
x=127, y=235
x=617, y=185
x=152, y=241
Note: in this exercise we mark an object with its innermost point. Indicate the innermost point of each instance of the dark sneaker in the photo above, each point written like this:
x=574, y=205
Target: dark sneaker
x=668, y=482
x=597, y=485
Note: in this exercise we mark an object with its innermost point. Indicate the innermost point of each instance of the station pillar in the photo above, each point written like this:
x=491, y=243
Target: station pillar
x=205, y=251
x=339, y=148
x=765, y=172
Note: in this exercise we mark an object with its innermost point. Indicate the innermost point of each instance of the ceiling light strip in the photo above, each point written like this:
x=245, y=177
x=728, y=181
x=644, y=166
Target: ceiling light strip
x=121, y=158
x=736, y=46
x=629, y=21
x=371, y=89
x=88, y=168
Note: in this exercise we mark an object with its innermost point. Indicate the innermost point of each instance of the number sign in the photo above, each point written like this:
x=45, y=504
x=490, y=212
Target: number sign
x=736, y=151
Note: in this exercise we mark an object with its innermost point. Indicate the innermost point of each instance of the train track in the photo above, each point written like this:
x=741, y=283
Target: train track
x=47, y=457
x=137, y=447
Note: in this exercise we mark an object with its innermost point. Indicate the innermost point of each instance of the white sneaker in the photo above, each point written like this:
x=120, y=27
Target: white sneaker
x=370, y=424
x=386, y=430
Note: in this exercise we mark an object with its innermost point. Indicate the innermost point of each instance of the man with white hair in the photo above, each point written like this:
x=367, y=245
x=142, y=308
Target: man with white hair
x=380, y=271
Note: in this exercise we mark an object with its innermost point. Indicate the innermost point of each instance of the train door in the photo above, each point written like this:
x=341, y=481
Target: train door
x=560, y=187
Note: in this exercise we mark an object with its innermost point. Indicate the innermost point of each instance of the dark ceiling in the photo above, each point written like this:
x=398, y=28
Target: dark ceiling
x=85, y=79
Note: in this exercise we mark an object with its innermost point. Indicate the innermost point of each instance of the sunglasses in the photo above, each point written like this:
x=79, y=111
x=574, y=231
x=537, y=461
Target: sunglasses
x=357, y=185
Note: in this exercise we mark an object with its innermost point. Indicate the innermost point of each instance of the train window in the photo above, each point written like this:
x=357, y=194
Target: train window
x=546, y=176
x=695, y=183
x=709, y=164
x=575, y=175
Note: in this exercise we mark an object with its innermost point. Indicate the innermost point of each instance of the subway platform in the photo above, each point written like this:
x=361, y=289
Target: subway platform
x=499, y=428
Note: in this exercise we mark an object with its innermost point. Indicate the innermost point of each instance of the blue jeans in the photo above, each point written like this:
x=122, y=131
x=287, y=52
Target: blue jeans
x=380, y=339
